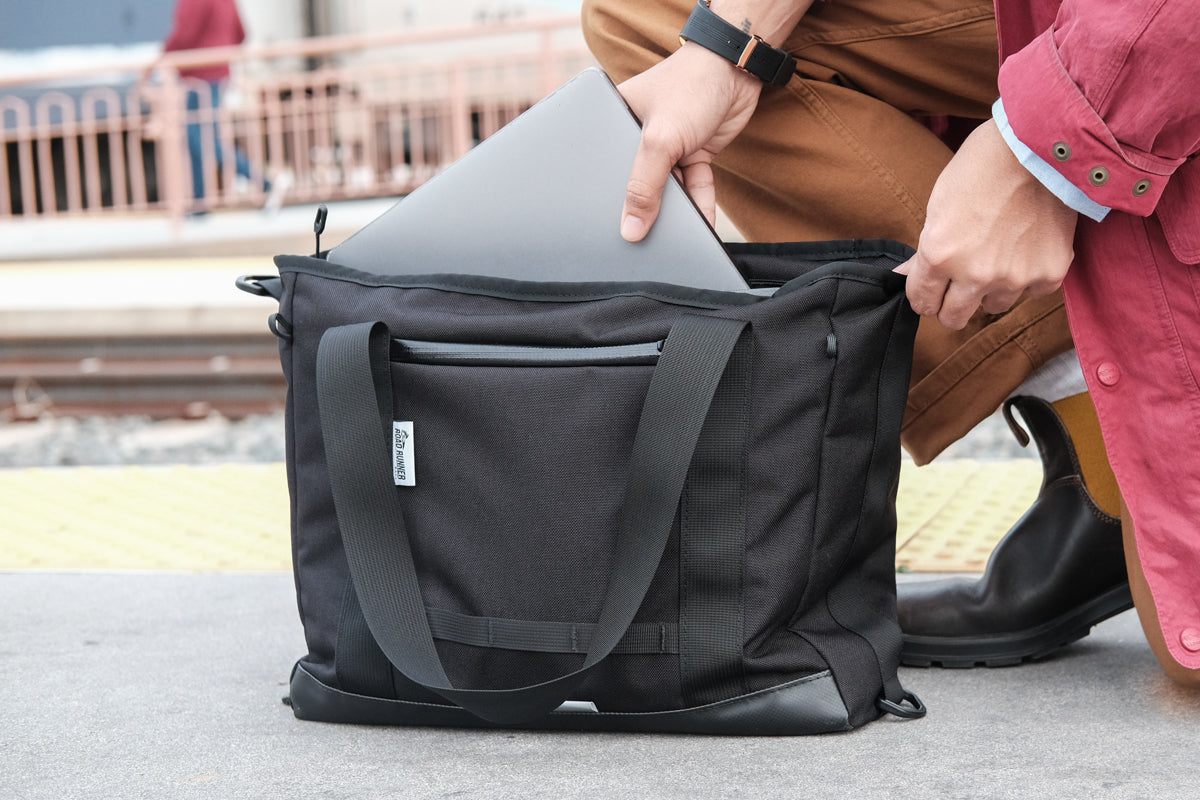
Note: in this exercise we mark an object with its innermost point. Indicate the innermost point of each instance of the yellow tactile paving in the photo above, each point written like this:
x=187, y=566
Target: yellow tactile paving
x=950, y=515
x=235, y=517
x=191, y=518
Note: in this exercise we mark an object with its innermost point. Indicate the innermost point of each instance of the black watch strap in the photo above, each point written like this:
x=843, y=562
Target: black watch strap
x=770, y=65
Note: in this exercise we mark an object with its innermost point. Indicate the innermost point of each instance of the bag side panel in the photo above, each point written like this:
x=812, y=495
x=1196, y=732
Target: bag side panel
x=319, y=562
x=848, y=611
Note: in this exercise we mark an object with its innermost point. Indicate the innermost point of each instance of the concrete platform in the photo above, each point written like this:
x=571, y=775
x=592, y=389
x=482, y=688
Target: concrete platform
x=149, y=629
x=153, y=685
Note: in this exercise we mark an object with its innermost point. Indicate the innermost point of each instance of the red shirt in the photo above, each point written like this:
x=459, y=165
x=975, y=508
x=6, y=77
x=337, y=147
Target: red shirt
x=1119, y=84
x=205, y=23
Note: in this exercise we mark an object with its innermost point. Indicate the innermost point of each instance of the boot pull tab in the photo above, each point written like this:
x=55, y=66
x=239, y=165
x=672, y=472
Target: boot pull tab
x=1013, y=425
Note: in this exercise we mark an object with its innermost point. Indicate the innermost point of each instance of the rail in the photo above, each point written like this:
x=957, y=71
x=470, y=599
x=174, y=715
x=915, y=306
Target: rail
x=232, y=373
x=328, y=118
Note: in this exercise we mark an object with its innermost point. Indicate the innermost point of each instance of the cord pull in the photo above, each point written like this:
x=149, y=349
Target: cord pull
x=319, y=224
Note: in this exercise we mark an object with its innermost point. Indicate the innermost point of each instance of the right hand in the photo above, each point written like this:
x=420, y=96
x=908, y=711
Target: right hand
x=692, y=104
x=993, y=233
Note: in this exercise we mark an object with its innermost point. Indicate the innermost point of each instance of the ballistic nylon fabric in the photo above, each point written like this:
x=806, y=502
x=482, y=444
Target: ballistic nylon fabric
x=501, y=531
x=712, y=544
x=354, y=389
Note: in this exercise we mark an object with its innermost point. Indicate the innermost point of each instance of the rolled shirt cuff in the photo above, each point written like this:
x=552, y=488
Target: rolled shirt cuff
x=1047, y=175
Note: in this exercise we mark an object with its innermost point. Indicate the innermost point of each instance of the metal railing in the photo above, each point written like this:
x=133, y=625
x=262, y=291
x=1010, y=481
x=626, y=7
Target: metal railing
x=334, y=118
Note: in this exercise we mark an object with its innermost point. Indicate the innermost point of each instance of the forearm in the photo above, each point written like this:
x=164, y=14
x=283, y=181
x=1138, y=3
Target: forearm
x=769, y=23
x=1110, y=85
x=772, y=21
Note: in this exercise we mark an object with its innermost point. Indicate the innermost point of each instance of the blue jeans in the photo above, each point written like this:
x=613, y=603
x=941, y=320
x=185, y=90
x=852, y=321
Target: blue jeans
x=195, y=146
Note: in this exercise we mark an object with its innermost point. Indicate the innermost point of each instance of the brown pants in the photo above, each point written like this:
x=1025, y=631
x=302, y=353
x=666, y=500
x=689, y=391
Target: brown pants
x=837, y=154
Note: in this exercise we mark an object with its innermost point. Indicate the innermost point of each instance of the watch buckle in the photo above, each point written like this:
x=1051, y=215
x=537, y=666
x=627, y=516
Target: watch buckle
x=748, y=51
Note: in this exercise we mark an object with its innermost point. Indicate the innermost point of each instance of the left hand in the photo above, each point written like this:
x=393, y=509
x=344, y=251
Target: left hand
x=992, y=234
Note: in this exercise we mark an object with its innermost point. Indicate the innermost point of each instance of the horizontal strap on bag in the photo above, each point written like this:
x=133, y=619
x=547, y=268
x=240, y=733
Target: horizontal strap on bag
x=354, y=393
x=547, y=637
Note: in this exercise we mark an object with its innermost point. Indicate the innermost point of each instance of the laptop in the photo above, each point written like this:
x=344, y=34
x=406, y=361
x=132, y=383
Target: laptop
x=540, y=200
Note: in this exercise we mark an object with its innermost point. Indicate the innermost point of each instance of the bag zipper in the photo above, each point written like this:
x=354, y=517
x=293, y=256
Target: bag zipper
x=502, y=355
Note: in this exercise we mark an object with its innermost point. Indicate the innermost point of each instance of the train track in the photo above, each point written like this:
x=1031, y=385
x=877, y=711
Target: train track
x=176, y=375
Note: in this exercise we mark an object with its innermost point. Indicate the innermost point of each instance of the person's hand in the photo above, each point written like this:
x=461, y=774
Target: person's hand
x=992, y=234
x=692, y=104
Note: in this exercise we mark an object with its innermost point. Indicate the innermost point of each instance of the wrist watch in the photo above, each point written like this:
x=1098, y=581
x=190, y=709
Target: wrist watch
x=770, y=65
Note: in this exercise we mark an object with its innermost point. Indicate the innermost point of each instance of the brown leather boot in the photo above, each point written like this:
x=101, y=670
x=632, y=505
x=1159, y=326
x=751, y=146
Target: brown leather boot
x=1057, y=572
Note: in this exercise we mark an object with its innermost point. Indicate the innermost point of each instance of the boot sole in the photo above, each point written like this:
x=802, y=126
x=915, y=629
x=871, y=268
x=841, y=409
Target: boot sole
x=1010, y=649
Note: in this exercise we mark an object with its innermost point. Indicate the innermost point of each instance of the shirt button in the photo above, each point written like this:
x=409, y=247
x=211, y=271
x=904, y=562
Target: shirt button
x=1190, y=639
x=1098, y=176
x=1062, y=151
x=1141, y=187
x=1108, y=373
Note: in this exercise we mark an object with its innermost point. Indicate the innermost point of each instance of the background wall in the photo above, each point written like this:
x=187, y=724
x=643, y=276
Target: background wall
x=36, y=24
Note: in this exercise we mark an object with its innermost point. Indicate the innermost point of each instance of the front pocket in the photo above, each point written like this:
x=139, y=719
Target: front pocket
x=520, y=456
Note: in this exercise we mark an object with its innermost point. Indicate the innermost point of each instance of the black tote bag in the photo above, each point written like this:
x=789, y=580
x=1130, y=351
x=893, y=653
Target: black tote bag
x=598, y=506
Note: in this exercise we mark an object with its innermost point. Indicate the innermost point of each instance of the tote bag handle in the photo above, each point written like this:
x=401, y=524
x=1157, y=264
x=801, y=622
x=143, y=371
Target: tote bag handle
x=354, y=394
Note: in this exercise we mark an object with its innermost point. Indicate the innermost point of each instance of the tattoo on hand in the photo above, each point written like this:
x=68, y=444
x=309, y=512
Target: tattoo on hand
x=746, y=25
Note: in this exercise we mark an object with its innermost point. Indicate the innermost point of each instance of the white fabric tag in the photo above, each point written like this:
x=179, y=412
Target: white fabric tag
x=404, y=466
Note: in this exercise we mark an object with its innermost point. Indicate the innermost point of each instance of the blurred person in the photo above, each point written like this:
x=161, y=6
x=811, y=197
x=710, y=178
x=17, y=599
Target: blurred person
x=1084, y=159
x=199, y=24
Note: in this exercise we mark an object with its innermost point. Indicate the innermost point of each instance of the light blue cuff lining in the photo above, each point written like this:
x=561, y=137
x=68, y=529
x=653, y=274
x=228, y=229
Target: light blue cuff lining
x=1049, y=177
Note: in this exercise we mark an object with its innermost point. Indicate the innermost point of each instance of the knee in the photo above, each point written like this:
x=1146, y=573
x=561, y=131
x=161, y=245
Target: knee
x=600, y=17
x=590, y=12
x=1187, y=678
x=606, y=30
x=629, y=36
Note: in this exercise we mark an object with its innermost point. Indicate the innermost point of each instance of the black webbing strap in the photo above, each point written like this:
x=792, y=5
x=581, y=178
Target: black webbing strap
x=354, y=395
x=536, y=636
x=712, y=544
x=360, y=666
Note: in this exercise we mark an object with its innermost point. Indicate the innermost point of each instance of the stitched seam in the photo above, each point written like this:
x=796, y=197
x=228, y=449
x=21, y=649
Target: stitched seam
x=814, y=103
x=743, y=482
x=1077, y=483
x=1166, y=319
x=913, y=413
x=903, y=30
x=1118, y=55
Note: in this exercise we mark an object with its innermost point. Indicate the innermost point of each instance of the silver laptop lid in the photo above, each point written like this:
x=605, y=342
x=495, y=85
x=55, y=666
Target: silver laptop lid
x=540, y=200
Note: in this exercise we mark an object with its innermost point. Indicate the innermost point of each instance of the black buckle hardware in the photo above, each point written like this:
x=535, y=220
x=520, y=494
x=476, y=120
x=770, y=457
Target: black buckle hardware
x=260, y=285
x=915, y=710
